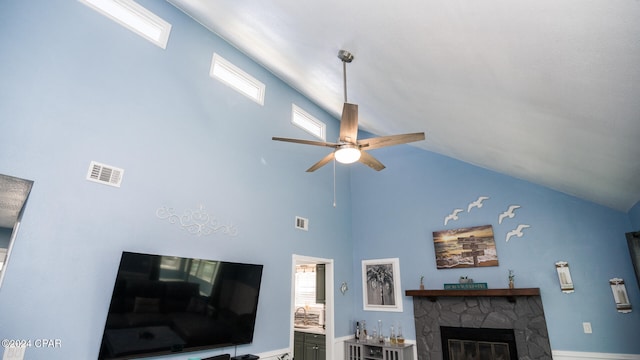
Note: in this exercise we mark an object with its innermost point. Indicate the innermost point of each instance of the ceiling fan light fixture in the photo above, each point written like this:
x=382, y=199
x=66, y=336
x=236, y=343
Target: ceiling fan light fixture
x=347, y=154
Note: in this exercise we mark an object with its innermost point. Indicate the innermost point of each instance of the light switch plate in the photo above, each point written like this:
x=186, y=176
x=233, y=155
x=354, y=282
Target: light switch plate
x=587, y=327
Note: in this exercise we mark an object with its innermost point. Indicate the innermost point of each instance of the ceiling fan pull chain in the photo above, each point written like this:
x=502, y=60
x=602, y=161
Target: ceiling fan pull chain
x=334, y=182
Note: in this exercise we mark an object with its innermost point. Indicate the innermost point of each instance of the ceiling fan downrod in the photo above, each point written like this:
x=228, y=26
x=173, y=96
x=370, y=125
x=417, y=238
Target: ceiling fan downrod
x=346, y=57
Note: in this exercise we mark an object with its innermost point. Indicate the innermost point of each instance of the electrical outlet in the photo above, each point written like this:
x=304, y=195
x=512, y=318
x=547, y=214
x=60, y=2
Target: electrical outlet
x=587, y=327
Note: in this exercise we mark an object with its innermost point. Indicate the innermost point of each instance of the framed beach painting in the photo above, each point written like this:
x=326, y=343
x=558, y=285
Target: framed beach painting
x=381, y=285
x=465, y=247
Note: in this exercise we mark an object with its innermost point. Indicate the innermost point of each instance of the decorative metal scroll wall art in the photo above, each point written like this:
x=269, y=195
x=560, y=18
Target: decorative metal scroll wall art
x=566, y=283
x=196, y=222
x=623, y=304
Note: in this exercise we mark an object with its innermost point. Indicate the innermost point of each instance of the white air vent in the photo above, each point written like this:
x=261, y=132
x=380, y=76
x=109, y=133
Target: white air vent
x=105, y=174
x=308, y=123
x=302, y=223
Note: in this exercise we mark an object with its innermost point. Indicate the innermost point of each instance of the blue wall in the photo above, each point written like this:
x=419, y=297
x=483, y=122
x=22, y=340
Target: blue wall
x=78, y=87
x=400, y=208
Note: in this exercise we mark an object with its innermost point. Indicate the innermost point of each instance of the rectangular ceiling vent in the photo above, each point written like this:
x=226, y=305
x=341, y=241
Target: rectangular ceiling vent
x=302, y=223
x=134, y=17
x=308, y=123
x=224, y=71
x=105, y=174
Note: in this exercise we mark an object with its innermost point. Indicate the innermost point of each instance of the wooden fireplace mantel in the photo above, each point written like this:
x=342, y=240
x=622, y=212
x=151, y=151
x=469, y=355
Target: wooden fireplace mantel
x=510, y=294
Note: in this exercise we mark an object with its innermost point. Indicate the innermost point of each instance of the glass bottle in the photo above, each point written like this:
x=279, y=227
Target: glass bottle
x=392, y=335
x=399, y=337
x=363, y=330
x=380, y=334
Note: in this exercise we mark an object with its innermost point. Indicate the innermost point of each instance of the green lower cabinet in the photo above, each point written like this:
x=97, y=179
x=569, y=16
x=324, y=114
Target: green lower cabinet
x=298, y=345
x=310, y=351
x=322, y=352
x=309, y=346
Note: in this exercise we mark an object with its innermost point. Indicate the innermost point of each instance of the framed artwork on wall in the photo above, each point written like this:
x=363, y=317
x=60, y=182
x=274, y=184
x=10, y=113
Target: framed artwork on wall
x=465, y=247
x=620, y=296
x=564, y=276
x=381, y=285
x=633, y=239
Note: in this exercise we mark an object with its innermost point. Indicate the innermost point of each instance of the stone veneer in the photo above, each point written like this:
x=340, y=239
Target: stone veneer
x=523, y=314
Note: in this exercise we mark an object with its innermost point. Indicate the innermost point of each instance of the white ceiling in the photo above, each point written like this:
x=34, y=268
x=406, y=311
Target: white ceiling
x=547, y=91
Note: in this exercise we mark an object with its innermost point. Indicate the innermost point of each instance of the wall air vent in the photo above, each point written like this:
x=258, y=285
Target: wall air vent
x=247, y=85
x=308, y=123
x=302, y=223
x=105, y=174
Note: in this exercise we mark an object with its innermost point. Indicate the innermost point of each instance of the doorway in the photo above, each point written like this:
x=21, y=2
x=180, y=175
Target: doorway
x=315, y=318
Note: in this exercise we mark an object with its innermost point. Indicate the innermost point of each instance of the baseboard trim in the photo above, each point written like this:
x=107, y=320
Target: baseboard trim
x=556, y=354
x=578, y=355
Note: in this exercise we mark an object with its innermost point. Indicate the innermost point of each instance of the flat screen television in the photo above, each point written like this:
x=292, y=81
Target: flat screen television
x=168, y=304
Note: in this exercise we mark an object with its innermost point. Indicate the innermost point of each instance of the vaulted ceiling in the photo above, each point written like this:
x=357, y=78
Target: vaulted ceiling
x=546, y=91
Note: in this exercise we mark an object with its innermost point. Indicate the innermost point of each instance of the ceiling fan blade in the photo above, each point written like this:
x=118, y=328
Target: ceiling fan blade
x=370, y=161
x=321, y=163
x=383, y=141
x=306, y=142
x=349, y=123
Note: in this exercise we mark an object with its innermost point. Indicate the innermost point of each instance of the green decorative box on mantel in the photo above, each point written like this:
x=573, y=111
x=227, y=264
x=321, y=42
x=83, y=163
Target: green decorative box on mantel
x=466, y=286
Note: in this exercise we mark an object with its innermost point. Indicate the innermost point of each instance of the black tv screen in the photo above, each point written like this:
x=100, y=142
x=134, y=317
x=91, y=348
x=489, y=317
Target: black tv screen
x=168, y=304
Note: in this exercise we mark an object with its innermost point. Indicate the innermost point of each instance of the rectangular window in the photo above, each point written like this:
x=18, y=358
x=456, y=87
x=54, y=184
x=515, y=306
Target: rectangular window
x=305, y=289
x=134, y=17
x=239, y=80
x=308, y=123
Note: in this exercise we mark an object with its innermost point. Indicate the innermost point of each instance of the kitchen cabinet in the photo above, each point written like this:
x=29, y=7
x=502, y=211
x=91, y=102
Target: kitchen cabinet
x=320, y=287
x=357, y=350
x=298, y=345
x=307, y=346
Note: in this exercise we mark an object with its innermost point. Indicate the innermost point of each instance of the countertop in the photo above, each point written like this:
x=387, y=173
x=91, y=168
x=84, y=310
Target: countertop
x=311, y=329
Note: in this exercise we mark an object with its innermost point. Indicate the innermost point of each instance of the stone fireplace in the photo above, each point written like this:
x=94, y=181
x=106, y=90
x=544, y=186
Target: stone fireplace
x=519, y=310
x=478, y=343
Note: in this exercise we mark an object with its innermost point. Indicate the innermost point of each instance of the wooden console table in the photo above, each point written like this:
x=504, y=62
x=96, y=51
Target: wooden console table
x=510, y=294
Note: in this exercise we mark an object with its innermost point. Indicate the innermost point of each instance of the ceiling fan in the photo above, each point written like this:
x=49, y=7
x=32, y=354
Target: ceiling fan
x=349, y=149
